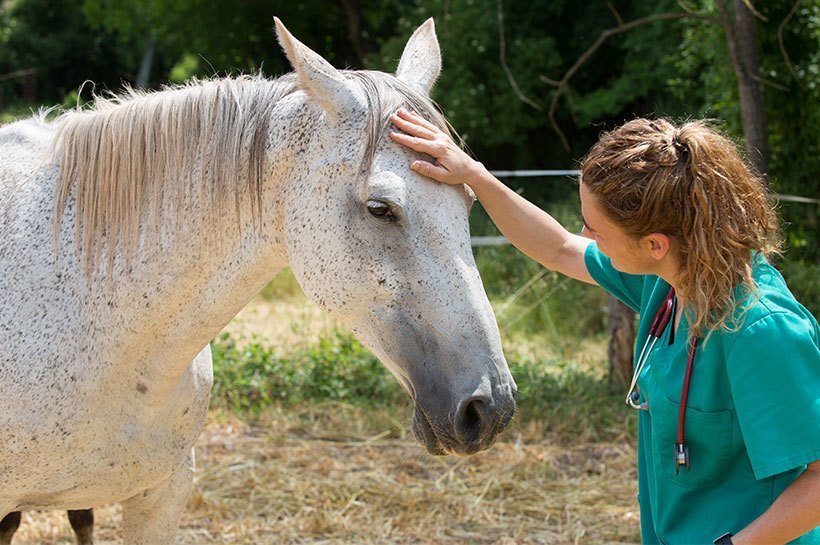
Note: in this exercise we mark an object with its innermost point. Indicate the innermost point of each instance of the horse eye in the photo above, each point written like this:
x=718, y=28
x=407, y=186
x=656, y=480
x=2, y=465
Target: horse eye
x=379, y=209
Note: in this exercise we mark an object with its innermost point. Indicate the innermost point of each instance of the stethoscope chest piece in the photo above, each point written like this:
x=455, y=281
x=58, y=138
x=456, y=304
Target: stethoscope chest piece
x=635, y=402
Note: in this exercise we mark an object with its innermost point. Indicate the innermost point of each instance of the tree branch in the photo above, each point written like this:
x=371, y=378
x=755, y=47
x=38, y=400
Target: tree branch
x=618, y=18
x=502, y=46
x=756, y=13
x=780, y=40
x=769, y=83
x=563, y=84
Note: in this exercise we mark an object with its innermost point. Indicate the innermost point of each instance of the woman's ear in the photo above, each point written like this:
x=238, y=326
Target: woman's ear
x=657, y=244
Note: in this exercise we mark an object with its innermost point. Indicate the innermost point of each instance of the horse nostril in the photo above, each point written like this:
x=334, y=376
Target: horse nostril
x=470, y=419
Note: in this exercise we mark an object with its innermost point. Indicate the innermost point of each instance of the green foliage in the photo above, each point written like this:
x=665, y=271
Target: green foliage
x=803, y=278
x=794, y=118
x=570, y=402
x=249, y=375
x=14, y=112
x=186, y=67
x=54, y=37
x=250, y=378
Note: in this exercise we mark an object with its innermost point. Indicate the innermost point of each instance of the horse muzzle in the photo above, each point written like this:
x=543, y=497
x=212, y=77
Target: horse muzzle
x=471, y=427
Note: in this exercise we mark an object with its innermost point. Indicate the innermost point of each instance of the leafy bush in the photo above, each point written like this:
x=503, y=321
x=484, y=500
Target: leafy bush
x=569, y=402
x=561, y=399
x=803, y=279
x=250, y=376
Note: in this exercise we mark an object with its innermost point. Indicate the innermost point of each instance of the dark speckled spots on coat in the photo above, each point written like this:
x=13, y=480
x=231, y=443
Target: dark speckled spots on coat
x=142, y=388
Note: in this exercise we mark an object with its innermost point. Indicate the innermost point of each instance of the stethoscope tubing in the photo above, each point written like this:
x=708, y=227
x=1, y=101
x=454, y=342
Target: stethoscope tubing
x=659, y=323
x=639, y=365
x=656, y=329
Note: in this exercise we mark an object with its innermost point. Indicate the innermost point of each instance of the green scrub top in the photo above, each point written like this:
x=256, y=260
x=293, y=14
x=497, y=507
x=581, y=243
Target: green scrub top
x=752, y=417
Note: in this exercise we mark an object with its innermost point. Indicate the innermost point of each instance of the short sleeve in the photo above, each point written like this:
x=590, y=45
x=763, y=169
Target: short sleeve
x=774, y=373
x=625, y=287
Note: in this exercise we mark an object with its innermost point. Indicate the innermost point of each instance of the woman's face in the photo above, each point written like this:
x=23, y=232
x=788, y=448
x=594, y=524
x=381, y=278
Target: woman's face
x=627, y=253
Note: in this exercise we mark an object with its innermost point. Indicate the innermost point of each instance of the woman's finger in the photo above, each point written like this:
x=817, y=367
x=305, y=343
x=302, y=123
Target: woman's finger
x=421, y=145
x=430, y=170
x=411, y=116
x=411, y=127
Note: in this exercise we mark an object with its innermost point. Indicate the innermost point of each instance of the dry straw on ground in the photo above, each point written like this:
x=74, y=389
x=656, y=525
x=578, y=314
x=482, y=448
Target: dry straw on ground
x=319, y=476
x=285, y=483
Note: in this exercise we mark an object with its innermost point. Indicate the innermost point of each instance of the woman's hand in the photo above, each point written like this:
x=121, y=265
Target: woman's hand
x=529, y=228
x=452, y=166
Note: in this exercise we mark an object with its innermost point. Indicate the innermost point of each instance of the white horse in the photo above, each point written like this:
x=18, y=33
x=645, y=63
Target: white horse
x=132, y=234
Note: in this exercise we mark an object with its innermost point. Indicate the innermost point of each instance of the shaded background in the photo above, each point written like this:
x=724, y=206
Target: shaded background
x=501, y=65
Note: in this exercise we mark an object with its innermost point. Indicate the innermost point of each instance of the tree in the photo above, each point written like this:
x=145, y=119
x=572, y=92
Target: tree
x=54, y=37
x=741, y=37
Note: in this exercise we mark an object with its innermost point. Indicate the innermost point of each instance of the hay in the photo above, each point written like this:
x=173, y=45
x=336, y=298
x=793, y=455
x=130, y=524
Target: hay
x=337, y=474
x=292, y=484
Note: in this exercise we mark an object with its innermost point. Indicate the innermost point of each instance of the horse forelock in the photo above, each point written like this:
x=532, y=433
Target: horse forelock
x=384, y=94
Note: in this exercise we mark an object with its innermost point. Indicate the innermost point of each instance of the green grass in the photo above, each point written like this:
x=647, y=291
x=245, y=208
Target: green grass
x=250, y=375
x=561, y=399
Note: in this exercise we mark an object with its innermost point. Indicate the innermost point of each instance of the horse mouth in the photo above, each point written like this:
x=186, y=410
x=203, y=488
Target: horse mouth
x=439, y=443
x=423, y=430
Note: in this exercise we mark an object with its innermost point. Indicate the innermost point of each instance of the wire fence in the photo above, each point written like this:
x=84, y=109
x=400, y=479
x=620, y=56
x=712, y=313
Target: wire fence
x=479, y=241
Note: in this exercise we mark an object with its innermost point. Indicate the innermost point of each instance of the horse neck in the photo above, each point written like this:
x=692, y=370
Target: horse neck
x=180, y=292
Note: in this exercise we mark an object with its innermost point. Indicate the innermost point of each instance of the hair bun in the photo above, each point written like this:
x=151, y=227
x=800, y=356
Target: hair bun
x=680, y=146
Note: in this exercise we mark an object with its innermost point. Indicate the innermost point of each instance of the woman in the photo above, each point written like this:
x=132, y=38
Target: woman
x=681, y=230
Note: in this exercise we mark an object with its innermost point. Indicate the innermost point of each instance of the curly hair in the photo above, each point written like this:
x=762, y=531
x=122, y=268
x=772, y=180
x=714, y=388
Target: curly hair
x=692, y=184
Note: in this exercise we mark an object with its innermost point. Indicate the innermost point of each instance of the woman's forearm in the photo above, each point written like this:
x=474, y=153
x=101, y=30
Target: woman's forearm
x=529, y=228
x=794, y=513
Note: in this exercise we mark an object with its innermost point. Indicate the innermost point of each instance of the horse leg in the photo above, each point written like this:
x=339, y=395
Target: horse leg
x=152, y=517
x=8, y=526
x=83, y=523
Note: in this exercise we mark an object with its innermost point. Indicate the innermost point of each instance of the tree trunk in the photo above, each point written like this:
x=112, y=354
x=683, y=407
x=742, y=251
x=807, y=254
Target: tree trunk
x=361, y=45
x=621, y=343
x=741, y=38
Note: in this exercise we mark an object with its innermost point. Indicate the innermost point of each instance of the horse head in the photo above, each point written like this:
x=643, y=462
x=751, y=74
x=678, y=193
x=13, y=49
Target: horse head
x=387, y=251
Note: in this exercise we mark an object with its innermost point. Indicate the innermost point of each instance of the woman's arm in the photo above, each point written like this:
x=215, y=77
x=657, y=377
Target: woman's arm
x=794, y=513
x=527, y=227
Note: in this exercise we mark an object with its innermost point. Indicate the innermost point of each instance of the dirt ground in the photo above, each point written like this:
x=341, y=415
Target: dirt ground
x=287, y=483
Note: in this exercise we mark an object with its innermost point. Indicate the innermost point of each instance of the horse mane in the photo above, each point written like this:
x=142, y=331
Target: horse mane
x=117, y=158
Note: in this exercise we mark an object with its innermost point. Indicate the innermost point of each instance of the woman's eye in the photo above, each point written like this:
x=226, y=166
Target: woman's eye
x=379, y=209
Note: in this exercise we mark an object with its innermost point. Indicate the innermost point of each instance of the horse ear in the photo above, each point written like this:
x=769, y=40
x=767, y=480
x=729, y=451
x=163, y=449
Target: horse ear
x=420, y=62
x=316, y=76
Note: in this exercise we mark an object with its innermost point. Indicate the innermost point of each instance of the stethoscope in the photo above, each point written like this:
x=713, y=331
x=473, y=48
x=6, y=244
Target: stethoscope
x=656, y=329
